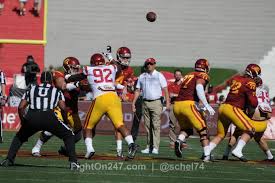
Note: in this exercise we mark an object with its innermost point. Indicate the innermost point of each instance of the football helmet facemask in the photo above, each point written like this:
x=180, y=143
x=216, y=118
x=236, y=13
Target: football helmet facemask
x=97, y=59
x=71, y=65
x=124, y=56
x=253, y=70
x=202, y=65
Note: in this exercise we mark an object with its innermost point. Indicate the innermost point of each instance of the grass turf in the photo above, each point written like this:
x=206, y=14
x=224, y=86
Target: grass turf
x=146, y=168
x=217, y=75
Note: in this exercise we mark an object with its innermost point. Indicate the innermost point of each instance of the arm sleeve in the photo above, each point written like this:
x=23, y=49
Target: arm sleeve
x=201, y=94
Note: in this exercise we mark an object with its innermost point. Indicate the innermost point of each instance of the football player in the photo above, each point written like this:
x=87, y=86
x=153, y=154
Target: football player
x=71, y=91
x=262, y=113
x=242, y=95
x=101, y=78
x=186, y=107
x=125, y=78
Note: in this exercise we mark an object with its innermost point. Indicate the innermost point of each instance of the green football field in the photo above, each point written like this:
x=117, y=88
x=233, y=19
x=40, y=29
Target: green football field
x=164, y=167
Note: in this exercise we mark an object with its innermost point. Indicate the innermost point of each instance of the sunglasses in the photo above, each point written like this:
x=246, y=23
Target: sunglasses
x=150, y=63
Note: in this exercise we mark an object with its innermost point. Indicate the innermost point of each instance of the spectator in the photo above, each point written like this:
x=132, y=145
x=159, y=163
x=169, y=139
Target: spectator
x=221, y=99
x=22, y=9
x=30, y=69
x=36, y=7
x=51, y=68
x=151, y=84
x=174, y=89
x=1, y=6
x=3, y=99
x=211, y=96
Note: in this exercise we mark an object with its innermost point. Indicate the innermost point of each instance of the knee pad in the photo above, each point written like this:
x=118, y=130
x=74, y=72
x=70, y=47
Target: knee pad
x=189, y=131
x=45, y=136
x=203, y=134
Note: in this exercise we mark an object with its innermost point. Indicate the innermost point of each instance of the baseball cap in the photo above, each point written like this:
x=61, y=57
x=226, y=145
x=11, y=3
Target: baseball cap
x=150, y=60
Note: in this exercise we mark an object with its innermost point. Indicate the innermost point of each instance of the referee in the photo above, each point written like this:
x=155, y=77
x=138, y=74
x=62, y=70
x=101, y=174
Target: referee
x=3, y=100
x=42, y=99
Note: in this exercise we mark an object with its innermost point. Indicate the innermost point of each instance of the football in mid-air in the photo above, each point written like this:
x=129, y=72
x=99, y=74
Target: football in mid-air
x=151, y=16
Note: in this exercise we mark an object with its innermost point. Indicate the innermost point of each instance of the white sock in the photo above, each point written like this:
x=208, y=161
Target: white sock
x=239, y=148
x=206, y=150
x=119, y=145
x=129, y=139
x=269, y=154
x=212, y=146
x=227, y=150
x=39, y=144
x=89, y=144
x=181, y=137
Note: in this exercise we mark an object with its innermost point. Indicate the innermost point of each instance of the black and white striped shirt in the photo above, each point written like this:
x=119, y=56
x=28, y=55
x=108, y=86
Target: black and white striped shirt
x=2, y=81
x=43, y=97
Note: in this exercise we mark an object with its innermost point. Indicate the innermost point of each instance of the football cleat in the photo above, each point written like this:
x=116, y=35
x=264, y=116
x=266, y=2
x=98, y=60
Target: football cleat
x=36, y=152
x=178, y=148
x=74, y=166
x=241, y=158
x=224, y=157
x=62, y=151
x=206, y=158
x=89, y=155
x=269, y=160
x=119, y=154
x=132, y=151
x=7, y=162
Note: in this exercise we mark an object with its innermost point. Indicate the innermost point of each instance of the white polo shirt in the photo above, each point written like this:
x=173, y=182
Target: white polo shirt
x=151, y=85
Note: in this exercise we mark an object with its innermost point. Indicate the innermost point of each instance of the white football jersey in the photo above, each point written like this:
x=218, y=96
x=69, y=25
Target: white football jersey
x=262, y=94
x=101, y=78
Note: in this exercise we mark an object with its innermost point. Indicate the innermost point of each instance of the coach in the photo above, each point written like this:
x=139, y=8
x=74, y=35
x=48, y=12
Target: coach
x=42, y=99
x=151, y=83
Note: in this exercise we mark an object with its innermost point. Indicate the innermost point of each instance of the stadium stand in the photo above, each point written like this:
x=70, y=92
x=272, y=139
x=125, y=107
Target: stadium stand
x=268, y=64
x=229, y=34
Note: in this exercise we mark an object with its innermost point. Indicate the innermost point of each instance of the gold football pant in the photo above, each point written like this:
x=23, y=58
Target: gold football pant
x=108, y=104
x=188, y=115
x=229, y=114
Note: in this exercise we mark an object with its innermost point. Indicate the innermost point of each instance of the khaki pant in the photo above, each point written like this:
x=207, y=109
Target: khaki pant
x=172, y=125
x=152, y=113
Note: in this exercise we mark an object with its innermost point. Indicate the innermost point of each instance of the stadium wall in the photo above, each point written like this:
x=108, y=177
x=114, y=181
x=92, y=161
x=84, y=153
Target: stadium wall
x=229, y=33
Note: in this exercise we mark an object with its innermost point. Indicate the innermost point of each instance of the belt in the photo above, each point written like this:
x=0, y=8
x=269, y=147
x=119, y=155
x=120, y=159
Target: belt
x=147, y=100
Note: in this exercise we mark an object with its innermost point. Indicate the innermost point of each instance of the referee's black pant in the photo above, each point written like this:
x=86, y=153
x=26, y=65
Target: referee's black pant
x=47, y=121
